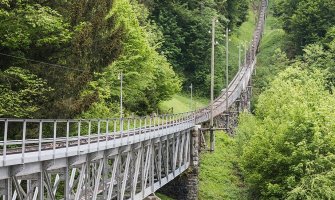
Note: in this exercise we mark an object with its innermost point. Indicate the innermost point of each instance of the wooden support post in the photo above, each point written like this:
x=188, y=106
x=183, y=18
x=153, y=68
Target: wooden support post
x=212, y=139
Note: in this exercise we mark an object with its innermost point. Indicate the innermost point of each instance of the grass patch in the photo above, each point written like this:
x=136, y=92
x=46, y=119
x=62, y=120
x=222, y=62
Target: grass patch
x=181, y=103
x=246, y=30
x=218, y=174
x=163, y=197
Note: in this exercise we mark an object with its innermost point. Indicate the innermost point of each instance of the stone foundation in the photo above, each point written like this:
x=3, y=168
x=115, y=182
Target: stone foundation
x=185, y=186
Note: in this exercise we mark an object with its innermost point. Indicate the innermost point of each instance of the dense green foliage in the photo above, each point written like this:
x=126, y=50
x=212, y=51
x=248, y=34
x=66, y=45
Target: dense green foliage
x=187, y=42
x=272, y=59
x=21, y=92
x=305, y=21
x=288, y=148
x=148, y=78
x=73, y=51
x=88, y=44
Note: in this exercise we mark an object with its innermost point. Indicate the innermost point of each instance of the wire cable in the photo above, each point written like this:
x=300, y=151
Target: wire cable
x=41, y=62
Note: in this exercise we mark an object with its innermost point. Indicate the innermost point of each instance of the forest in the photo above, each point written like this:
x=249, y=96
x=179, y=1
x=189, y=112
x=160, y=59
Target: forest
x=63, y=59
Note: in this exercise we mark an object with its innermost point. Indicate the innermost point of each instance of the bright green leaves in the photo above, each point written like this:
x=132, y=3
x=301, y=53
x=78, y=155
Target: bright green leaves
x=4, y=3
x=288, y=88
x=21, y=92
x=147, y=76
x=318, y=187
x=34, y=25
x=316, y=57
x=294, y=138
x=100, y=38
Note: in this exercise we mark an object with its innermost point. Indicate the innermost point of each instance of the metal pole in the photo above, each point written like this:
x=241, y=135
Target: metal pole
x=212, y=70
x=227, y=63
x=212, y=86
x=250, y=52
x=121, y=98
x=4, y=150
x=191, y=106
x=245, y=53
x=121, y=101
x=239, y=56
x=227, y=81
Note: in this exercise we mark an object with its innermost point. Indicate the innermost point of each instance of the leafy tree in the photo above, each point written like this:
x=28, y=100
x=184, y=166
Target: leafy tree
x=237, y=11
x=21, y=93
x=85, y=41
x=317, y=57
x=79, y=47
x=290, y=155
x=32, y=26
x=306, y=21
x=148, y=77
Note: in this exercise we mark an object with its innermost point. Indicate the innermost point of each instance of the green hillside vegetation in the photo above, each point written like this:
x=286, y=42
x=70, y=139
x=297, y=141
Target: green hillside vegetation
x=286, y=149
x=270, y=59
x=185, y=26
x=305, y=21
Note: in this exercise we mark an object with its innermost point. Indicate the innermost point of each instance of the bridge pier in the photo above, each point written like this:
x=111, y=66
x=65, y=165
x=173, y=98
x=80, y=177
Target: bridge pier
x=185, y=186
